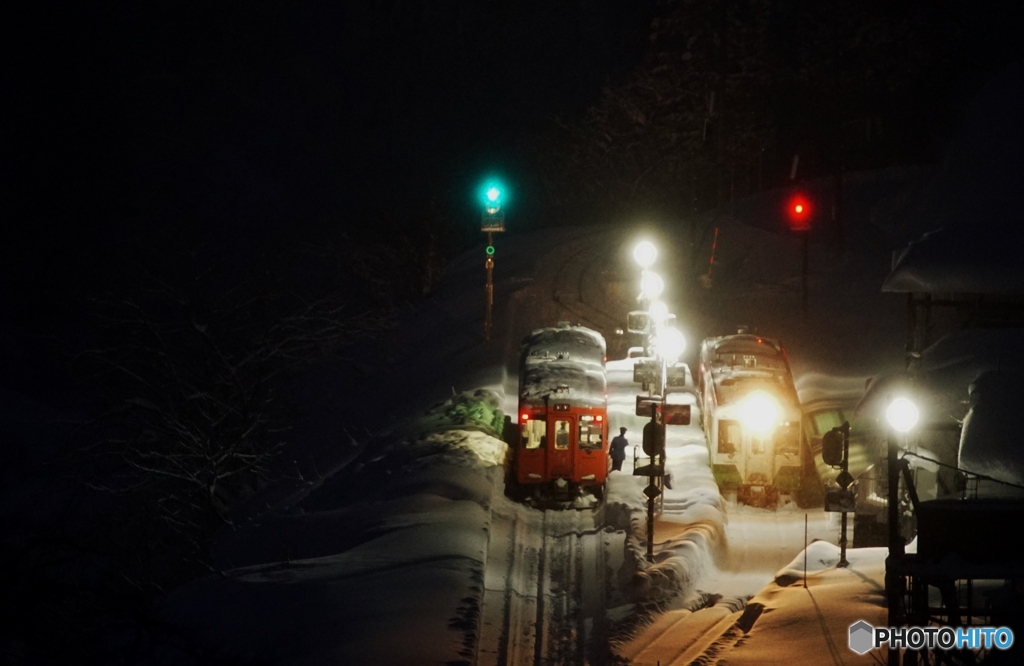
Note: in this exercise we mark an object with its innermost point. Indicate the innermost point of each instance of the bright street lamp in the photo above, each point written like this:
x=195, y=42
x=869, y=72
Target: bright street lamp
x=902, y=415
x=669, y=344
x=645, y=253
x=651, y=285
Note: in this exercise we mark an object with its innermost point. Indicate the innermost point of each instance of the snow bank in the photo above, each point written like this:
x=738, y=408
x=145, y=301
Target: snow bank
x=990, y=443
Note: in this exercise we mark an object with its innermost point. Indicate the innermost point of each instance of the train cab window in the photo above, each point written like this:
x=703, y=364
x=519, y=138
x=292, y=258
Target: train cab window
x=786, y=439
x=730, y=436
x=561, y=435
x=532, y=434
x=590, y=434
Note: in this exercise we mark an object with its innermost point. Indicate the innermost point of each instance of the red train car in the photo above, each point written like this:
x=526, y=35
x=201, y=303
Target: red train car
x=562, y=447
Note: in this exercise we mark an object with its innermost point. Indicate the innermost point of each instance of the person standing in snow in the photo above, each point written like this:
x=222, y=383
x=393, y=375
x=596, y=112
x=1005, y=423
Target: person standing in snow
x=618, y=452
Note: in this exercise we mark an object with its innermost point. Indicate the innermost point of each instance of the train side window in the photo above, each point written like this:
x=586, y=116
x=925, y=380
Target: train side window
x=826, y=420
x=561, y=434
x=590, y=436
x=730, y=435
x=532, y=434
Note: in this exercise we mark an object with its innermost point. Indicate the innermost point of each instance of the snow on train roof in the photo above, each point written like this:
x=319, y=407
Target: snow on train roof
x=573, y=342
x=744, y=344
x=583, y=384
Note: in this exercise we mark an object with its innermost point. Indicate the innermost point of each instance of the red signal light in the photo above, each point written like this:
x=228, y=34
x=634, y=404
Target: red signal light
x=798, y=213
x=525, y=417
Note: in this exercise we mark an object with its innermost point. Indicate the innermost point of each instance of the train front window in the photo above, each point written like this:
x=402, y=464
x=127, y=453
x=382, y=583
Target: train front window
x=561, y=434
x=730, y=436
x=590, y=434
x=787, y=439
x=532, y=433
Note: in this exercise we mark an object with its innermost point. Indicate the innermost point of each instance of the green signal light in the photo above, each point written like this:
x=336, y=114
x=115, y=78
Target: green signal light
x=492, y=195
x=489, y=250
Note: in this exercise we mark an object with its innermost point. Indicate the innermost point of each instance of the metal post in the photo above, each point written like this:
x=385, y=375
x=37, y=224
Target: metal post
x=806, y=235
x=893, y=575
x=650, y=527
x=489, y=265
x=846, y=470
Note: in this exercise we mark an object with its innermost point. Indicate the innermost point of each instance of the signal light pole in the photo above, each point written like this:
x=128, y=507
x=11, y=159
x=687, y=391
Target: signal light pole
x=492, y=221
x=798, y=215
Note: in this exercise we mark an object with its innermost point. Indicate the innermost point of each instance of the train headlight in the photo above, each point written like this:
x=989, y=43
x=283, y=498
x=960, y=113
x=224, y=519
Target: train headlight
x=760, y=412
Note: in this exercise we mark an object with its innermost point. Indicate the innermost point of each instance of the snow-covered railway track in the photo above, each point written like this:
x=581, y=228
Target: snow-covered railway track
x=575, y=281
x=545, y=590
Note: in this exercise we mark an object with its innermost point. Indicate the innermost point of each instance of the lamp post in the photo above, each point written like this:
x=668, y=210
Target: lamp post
x=668, y=344
x=902, y=416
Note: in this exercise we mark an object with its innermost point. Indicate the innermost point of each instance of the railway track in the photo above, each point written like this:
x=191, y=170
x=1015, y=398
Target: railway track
x=577, y=278
x=547, y=587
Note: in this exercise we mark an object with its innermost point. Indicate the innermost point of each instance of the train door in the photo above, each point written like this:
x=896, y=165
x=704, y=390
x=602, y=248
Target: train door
x=592, y=457
x=759, y=458
x=560, y=447
x=530, y=459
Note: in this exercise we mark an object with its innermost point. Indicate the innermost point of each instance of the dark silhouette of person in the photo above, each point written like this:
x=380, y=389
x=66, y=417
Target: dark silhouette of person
x=618, y=449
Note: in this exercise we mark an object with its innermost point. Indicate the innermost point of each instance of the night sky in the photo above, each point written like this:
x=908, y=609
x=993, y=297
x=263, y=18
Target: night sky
x=229, y=132
x=248, y=126
x=186, y=185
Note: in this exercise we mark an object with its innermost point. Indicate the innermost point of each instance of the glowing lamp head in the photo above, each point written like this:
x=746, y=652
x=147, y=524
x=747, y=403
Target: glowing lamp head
x=902, y=415
x=651, y=285
x=525, y=417
x=670, y=344
x=645, y=253
x=760, y=412
x=492, y=195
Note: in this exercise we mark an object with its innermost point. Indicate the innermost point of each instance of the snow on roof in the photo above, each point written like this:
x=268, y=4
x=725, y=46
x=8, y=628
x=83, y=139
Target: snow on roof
x=990, y=441
x=960, y=259
x=586, y=384
x=818, y=387
x=577, y=342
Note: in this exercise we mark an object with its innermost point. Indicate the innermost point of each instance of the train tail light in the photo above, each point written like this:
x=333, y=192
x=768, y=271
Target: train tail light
x=525, y=417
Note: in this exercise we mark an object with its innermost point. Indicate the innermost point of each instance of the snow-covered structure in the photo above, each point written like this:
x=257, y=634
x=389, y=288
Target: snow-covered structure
x=964, y=282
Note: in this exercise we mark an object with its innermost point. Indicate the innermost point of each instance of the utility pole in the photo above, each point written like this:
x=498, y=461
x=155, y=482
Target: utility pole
x=489, y=288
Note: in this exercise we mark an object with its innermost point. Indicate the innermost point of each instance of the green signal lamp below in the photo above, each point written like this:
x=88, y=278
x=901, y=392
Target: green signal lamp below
x=489, y=250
